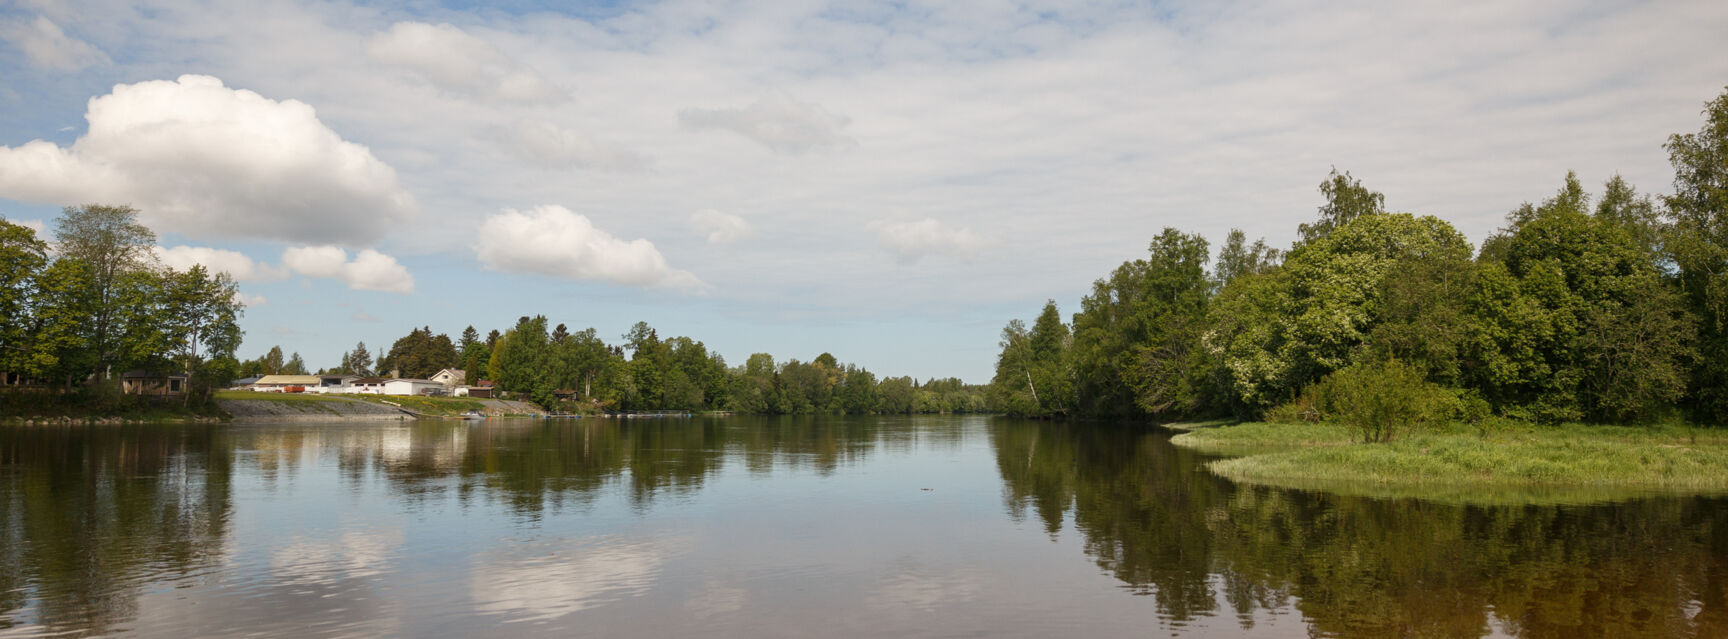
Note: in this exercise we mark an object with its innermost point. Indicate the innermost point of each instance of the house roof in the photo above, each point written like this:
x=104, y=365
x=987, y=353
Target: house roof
x=244, y=381
x=367, y=380
x=410, y=379
x=288, y=380
x=456, y=374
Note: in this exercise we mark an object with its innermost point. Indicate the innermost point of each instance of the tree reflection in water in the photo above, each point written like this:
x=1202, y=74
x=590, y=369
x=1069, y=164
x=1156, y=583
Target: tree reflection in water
x=91, y=515
x=1357, y=567
x=95, y=521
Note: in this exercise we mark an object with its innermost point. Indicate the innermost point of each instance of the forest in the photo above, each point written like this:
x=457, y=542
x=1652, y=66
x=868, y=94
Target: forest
x=97, y=303
x=580, y=372
x=1608, y=308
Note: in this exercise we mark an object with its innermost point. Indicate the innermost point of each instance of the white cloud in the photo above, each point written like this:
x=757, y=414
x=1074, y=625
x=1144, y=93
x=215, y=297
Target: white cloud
x=368, y=271
x=721, y=228
x=777, y=122
x=48, y=47
x=316, y=261
x=235, y=264
x=913, y=240
x=200, y=159
x=552, y=145
x=361, y=316
x=456, y=61
x=250, y=301
x=552, y=240
x=570, y=579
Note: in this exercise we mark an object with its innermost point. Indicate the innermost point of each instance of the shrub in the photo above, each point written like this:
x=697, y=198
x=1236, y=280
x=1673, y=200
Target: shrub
x=1382, y=400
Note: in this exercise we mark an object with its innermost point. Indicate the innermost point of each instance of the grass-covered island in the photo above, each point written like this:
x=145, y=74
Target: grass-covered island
x=1498, y=462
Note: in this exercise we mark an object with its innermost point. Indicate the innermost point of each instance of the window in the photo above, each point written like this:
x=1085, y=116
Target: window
x=173, y=386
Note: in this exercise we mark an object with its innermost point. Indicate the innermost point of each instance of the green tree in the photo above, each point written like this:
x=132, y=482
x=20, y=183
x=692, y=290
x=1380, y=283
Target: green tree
x=62, y=348
x=1623, y=205
x=1282, y=332
x=358, y=361
x=1237, y=258
x=1574, y=320
x=1346, y=200
x=23, y=258
x=295, y=365
x=202, y=322
x=1698, y=246
x=113, y=245
x=1135, y=330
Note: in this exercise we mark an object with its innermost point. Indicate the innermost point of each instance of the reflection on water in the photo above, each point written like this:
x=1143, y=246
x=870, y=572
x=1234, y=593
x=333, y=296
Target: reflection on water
x=1370, y=568
x=791, y=527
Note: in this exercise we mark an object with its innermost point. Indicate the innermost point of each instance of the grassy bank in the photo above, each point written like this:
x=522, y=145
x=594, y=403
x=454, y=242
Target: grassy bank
x=1523, y=464
x=42, y=407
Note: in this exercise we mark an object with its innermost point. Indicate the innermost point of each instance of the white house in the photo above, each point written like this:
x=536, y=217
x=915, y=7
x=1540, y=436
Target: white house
x=413, y=387
x=285, y=383
x=366, y=386
x=451, y=377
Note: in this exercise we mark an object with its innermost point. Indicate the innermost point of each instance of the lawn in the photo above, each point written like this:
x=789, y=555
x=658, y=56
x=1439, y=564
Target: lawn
x=1574, y=463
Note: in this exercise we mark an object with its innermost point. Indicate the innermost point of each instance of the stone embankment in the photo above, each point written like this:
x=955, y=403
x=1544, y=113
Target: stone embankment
x=322, y=410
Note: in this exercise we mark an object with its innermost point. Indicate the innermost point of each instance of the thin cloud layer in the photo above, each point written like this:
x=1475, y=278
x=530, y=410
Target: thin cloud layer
x=915, y=240
x=548, y=144
x=721, y=228
x=203, y=160
x=455, y=61
x=555, y=241
x=368, y=271
x=778, y=122
x=47, y=46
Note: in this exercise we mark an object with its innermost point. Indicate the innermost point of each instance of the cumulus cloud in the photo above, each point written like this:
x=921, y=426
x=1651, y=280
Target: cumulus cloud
x=368, y=271
x=48, y=47
x=201, y=159
x=552, y=240
x=455, y=61
x=250, y=301
x=721, y=228
x=778, y=122
x=552, y=145
x=235, y=264
x=914, y=240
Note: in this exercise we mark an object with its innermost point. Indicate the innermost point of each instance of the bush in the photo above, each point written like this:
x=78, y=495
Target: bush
x=1304, y=409
x=1382, y=400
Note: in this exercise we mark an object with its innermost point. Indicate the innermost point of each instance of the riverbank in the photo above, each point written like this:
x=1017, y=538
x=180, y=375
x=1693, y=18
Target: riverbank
x=247, y=406
x=1519, y=464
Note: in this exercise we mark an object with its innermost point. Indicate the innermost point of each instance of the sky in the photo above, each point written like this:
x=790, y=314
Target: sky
x=889, y=182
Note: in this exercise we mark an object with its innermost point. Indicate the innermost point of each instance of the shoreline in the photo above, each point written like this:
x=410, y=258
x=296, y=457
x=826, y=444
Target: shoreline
x=1572, y=463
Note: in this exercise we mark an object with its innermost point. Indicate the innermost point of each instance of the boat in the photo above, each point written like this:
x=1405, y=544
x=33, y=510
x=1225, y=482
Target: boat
x=472, y=414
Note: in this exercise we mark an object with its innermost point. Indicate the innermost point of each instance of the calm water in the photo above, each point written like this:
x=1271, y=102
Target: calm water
x=794, y=527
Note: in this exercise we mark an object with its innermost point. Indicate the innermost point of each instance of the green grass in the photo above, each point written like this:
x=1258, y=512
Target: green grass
x=1521, y=464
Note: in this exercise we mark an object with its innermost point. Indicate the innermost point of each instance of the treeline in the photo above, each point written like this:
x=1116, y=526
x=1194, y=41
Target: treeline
x=96, y=302
x=1611, y=309
x=578, y=371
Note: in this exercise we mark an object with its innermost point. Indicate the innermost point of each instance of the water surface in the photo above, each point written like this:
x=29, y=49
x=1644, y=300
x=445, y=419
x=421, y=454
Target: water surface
x=791, y=527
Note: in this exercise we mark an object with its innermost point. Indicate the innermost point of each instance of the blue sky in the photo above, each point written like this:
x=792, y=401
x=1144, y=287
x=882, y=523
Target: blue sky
x=889, y=182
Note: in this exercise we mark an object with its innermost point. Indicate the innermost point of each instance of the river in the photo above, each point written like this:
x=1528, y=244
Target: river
x=938, y=526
